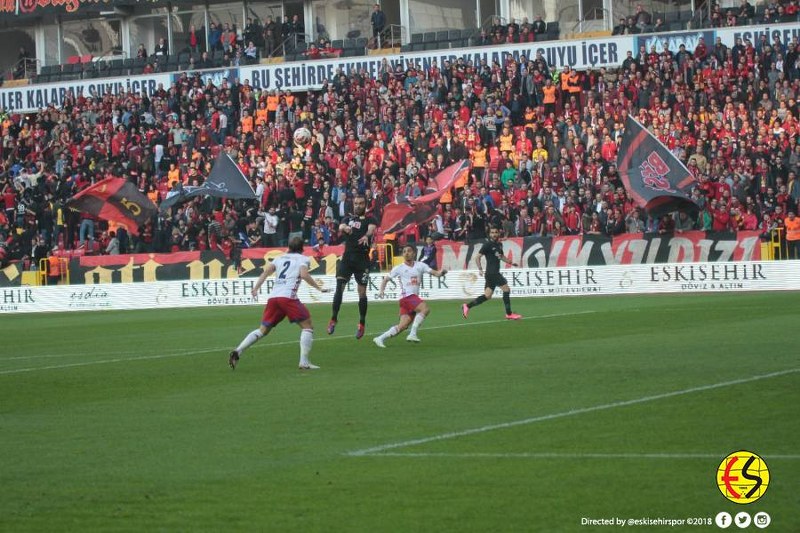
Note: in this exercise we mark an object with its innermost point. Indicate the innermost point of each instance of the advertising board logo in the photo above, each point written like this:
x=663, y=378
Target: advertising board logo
x=743, y=477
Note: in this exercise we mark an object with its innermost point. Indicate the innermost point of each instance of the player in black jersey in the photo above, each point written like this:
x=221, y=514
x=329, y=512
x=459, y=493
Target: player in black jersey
x=356, y=230
x=493, y=251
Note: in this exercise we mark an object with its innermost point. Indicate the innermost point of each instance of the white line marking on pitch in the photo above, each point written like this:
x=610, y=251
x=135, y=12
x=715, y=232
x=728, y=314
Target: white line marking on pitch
x=281, y=343
x=546, y=455
x=54, y=356
x=564, y=414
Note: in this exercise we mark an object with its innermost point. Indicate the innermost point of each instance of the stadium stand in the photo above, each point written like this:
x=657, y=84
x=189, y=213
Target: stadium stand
x=533, y=173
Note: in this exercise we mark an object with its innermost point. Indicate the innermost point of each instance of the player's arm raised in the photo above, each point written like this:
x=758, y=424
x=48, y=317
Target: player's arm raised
x=268, y=271
x=305, y=276
x=370, y=232
x=345, y=228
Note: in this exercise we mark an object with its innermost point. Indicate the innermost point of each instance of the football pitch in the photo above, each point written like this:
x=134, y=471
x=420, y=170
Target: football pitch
x=589, y=408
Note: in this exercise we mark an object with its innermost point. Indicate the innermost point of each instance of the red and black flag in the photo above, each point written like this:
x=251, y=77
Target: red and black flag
x=397, y=217
x=656, y=179
x=115, y=199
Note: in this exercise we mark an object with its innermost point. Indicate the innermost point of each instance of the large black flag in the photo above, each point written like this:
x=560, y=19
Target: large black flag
x=226, y=180
x=115, y=199
x=656, y=179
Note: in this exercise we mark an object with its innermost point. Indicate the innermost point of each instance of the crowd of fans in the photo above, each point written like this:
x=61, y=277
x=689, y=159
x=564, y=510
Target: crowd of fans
x=542, y=146
x=642, y=21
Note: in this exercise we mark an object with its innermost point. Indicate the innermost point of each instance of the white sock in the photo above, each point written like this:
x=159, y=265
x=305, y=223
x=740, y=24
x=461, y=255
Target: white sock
x=306, y=340
x=416, y=324
x=248, y=341
x=391, y=332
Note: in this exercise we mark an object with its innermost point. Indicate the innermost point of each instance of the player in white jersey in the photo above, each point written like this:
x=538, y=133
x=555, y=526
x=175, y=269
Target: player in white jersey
x=413, y=309
x=289, y=270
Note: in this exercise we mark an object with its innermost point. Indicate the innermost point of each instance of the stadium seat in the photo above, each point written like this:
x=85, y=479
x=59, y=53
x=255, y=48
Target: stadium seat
x=671, y=17
x=432, y=46
x=361, y=42
x=301, y=47
x=441, y=36
x=72, y=60
x=418, y=47
x=416, y=38
x=337, y=43
x=349, y=43
x=405, y=48
x=429, y=37
x=454, y=35
x=676, y=26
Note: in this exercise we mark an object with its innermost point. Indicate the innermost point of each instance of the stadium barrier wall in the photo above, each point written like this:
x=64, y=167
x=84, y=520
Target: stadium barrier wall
x=301, y=76
x=532, y=252
x=463, y=285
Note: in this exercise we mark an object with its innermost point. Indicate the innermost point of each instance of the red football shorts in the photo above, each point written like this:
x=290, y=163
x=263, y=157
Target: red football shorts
x=279, y=308
x=409, y=303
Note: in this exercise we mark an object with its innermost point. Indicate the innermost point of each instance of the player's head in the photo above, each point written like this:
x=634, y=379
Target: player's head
x=494, y=233
x=409, y=253
x=359, y=204
x=296, y=245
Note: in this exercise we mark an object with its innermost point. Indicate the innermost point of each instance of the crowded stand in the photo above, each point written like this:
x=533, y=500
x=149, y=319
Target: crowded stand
x=224, y=44
x=542, y=146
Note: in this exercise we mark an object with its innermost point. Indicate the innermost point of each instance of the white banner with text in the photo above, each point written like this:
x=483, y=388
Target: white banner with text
x=463, y=285
x=305, y=75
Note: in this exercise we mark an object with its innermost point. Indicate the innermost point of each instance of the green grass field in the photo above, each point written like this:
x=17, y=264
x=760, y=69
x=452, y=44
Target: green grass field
x=590, y=407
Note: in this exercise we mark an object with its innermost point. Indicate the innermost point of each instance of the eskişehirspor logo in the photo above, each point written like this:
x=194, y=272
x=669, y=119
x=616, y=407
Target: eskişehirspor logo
x=743, y=477
x=654, y=173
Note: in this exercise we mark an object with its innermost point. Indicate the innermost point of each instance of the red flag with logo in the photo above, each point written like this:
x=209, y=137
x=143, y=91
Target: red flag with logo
x=115, y=199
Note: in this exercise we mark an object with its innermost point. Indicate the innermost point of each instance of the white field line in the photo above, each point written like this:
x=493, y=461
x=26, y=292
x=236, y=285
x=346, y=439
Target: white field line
x=564, y=414
x=54, y=356
x=546, y=455
x=210, y=350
